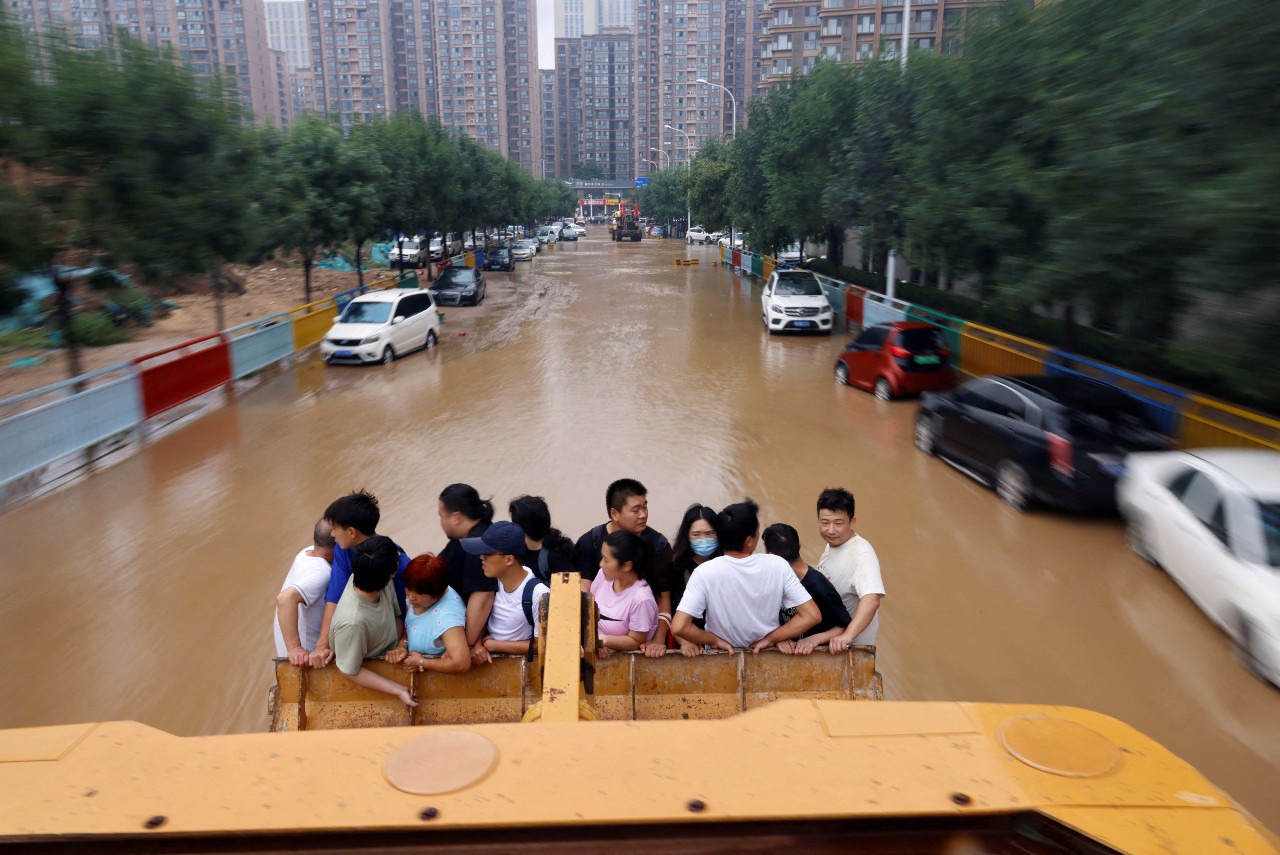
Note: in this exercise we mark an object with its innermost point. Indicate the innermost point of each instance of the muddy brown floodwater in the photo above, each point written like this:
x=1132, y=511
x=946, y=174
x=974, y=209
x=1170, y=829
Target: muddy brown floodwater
x=145, y=590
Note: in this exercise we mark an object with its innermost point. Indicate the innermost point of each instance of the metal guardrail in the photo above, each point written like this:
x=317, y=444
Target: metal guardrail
x=1162, y=401
x=311, y=321
x=41, y=436
x=257, y=344
x=989, y=351
x=1206, y=422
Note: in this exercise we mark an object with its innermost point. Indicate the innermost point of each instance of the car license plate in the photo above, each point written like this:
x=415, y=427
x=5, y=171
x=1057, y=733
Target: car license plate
x=1112, y=464
x=804, y=324
x=343, y=354
x=928, y=360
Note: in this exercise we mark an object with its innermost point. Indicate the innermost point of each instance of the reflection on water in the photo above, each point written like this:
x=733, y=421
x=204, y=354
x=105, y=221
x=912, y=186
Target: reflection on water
x=145, y=591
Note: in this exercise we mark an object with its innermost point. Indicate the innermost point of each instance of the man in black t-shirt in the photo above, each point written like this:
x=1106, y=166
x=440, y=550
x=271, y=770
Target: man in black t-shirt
x=783, y=541
x=628, y=504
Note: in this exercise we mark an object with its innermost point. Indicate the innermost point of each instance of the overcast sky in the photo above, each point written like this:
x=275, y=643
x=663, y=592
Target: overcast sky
x=546, y=34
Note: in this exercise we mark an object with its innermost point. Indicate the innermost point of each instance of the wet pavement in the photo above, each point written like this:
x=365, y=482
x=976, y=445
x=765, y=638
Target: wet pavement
x=145, y=591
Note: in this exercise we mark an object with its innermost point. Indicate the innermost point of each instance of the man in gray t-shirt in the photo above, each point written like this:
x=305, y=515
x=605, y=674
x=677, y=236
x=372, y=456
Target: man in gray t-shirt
x=367, y=622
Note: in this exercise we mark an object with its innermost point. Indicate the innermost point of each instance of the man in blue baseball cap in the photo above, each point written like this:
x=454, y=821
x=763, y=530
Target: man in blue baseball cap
x=513, y=622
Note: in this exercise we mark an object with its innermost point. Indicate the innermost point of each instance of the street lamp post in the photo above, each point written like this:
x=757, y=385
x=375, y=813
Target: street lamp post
x=732, y=100
x=664, y=154
x=688, y=200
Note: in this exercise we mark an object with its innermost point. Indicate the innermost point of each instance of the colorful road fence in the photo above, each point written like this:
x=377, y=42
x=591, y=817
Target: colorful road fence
x=84, y=417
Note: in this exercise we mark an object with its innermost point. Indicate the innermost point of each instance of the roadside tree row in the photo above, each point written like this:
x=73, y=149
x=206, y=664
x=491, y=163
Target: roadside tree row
x=1093, y=161
x=122, y=158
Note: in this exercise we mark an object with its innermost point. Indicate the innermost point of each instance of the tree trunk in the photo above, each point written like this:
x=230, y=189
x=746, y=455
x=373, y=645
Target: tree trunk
x=430, y=262
x=69, y=340
x=1069, y=328
x=219, y=316
x=359, y=268
x=835, y=247
x=306, y=277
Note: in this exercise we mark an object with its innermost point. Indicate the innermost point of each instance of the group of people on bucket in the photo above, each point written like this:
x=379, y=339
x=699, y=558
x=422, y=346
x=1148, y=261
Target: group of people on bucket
x=355, y=595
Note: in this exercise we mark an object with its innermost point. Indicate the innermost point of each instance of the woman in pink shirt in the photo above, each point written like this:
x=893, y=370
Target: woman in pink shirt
x=628, y=610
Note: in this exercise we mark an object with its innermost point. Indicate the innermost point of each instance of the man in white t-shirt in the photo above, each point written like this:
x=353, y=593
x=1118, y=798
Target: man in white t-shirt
x=741, y=594
x=300, y=603
x=852, y=566
x=513, y=621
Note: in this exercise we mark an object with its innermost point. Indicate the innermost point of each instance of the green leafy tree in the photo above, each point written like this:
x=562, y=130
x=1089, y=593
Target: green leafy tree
x=802, y=155
x=325, y=181
x=131, y=163
x=709, y=183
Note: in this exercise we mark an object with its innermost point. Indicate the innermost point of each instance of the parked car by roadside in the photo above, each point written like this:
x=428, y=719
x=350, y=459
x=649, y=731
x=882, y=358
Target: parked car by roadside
x=902, y=358
x=445, y=247
x=791, y=254
x=459, y=286
x=739, y=240
x=793, y=301
x=714, y=237
x=1060, y=440
x=499, y=258
x=1211, y=518
x=408, y=252
x=380, y=326
x=547, y=235
x=525, y=249
x=697, y=234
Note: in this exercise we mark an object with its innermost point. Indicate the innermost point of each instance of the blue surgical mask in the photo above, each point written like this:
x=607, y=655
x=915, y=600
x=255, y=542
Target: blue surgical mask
x=704, y=546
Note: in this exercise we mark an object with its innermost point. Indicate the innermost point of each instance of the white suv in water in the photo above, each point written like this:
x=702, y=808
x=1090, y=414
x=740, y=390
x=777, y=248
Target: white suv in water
x=381, y=325
x=697, y=234
x=793, y=301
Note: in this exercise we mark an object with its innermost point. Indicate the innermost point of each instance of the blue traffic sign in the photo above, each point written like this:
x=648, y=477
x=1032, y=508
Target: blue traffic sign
x=642, y=182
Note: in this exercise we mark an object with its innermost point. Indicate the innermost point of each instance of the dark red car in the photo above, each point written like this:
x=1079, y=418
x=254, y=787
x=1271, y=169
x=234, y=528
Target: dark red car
x=902, y=358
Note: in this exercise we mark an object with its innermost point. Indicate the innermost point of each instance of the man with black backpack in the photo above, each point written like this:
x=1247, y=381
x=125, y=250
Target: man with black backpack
x=513, y=621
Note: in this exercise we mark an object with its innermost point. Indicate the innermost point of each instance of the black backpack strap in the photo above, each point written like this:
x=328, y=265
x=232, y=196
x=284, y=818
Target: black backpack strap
x=544, y=563
x=526, y=599
x=526, y=602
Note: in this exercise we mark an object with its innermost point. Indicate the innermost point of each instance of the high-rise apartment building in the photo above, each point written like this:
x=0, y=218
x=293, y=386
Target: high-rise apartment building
x=227, y=37
x=576, y=18
x=520, y=90
x=350, y=56
x=547, y=126
x=568, y=115
x=798, y=33
x=413, y=56
x=287, y=31
x=607, y=133
x=679, y=44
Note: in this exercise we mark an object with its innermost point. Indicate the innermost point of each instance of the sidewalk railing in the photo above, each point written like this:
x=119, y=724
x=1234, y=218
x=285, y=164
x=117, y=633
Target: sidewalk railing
x=54, y=423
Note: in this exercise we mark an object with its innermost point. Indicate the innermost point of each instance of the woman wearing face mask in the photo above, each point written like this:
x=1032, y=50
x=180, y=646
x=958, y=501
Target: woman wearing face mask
x=696, y=542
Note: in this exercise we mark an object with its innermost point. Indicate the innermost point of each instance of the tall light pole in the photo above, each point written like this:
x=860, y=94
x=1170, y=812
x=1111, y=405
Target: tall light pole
x=664, y=154
x=688, y=195
x=732, y=100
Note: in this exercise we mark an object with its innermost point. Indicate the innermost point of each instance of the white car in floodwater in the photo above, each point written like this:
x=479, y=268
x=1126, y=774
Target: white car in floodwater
x=382, y=325
x=1211, y=518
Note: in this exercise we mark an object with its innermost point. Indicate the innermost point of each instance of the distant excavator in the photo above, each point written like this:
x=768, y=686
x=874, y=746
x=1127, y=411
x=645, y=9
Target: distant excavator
x=626, y=222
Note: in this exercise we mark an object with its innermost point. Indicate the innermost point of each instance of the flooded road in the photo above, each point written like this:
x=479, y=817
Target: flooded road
x=145, y=591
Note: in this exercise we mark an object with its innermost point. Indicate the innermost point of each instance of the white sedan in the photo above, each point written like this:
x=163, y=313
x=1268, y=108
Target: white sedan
x=1211, y=518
